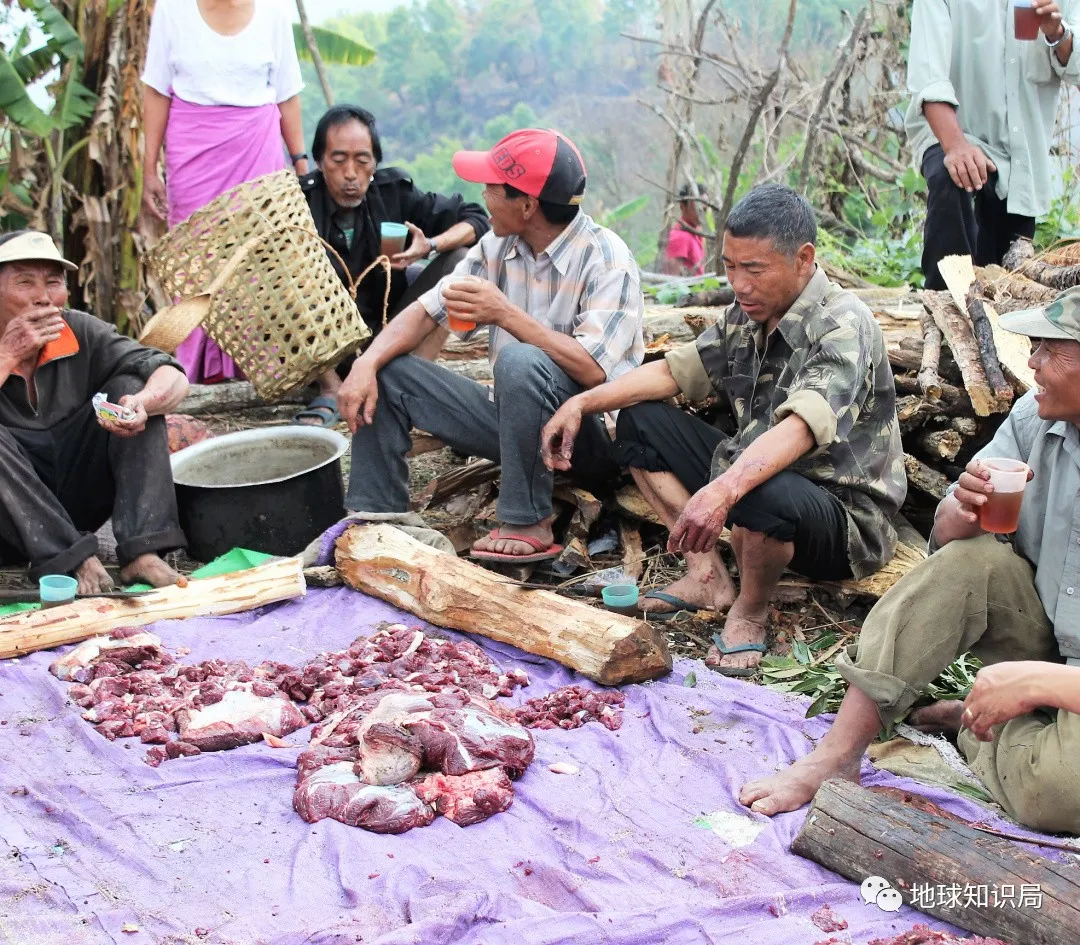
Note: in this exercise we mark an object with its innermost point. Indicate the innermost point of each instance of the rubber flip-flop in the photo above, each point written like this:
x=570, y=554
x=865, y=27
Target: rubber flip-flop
x=544, y=552
x=678, y=603
x=322, y=409
x=738, y=648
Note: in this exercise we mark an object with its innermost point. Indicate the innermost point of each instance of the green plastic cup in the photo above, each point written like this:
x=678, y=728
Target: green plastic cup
x=393, y=237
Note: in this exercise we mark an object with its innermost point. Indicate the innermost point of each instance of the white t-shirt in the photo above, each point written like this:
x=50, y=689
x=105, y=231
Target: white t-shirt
x=257, y=66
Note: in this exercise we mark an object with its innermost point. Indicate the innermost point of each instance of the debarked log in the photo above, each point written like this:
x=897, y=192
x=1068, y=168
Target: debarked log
x=957, y=331
x=451, y=592
x=914, y=845
x=268, y=583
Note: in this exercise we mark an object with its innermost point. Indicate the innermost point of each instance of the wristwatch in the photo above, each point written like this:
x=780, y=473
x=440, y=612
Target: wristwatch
x=1065, y=32
x=296, y=158
x=434, y=250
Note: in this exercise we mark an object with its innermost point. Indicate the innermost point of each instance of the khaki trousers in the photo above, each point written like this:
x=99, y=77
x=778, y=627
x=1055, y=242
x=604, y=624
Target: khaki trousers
x=976, y=595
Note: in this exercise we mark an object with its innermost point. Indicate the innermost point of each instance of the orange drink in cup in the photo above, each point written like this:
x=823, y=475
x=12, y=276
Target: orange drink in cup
x=455, y=323
x=1000, y=513
x=1025, y=20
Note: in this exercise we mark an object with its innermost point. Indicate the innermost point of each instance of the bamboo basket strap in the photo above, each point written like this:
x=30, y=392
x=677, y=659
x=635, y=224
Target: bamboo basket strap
x=383, y=261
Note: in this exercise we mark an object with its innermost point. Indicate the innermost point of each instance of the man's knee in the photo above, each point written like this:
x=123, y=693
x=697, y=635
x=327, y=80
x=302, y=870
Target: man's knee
x=984, y=559
x=635, y=422
x=1044, y=796
x=519, y=364
x=122, y=385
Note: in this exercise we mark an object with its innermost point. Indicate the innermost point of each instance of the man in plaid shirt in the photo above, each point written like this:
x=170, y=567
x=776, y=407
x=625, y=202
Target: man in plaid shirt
x=561, y=299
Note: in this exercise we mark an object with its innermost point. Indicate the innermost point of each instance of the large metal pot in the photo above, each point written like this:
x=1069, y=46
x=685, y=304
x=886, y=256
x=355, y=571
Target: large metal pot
x=271, y=490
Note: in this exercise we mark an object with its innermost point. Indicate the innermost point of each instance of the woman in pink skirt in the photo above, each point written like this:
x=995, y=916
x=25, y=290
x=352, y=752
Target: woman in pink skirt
x=223, y=95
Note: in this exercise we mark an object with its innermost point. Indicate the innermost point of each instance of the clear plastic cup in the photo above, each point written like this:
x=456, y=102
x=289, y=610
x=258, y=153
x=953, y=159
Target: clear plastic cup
x=1000, y=513
x=56, y=589
x=1025, y=20
x=393, y=236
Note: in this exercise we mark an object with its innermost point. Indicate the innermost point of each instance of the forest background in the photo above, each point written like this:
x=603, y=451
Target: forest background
x=656, y=93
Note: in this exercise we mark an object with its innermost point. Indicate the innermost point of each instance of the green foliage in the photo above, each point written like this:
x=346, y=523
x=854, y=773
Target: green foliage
x=1063, y=220
x=805, y=673
x=341, y=47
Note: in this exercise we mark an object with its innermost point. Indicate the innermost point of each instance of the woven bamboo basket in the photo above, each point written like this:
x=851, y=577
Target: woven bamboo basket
x=252, y=270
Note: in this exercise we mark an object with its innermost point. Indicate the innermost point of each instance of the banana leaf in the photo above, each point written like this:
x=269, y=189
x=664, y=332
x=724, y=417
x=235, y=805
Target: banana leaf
x=336, y=47
x=16, y=103
x=62, y=36
x=625, y=210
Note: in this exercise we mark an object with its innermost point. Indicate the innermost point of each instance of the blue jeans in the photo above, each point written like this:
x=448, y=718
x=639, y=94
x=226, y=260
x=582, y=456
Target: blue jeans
x=529, y=388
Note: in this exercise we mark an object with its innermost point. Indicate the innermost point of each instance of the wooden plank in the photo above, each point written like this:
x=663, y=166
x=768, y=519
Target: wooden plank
x=228, y=398
x=451, y=592
x=268, y=583
x=904, y=839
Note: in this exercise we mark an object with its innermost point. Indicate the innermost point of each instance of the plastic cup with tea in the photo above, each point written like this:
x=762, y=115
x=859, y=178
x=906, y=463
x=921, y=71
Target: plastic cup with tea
x=460, y=324
x=393, y=236
x=56, y=589
x=1000, y=513
x=1025, y=20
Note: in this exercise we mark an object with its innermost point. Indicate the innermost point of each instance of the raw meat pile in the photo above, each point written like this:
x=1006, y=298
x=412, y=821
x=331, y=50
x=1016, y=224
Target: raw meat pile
x=408, y=729
x=573, y=706
x=130, y=686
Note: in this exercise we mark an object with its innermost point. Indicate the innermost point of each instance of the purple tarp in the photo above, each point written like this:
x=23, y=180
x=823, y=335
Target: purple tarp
x=208, y=849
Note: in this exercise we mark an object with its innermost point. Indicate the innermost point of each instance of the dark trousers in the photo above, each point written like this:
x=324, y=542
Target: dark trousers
x=59, y=486
x=962, y=224
x=657, y=437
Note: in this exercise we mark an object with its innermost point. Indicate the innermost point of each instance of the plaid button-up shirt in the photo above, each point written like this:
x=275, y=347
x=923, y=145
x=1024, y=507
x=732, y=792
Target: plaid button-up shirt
x=585, y=284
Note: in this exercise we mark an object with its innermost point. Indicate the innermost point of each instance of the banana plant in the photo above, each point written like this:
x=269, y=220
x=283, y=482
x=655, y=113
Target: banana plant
x=318, y=45
x=62, y=54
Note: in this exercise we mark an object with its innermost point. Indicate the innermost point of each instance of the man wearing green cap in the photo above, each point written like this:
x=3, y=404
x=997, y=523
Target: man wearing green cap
x=1014, y=605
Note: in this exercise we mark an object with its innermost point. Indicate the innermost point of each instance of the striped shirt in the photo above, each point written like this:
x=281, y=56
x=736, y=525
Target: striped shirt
x=585, y=284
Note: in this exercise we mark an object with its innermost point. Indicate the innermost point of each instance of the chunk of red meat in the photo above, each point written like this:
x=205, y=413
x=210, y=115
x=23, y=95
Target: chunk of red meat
x=468, y=798
x=239, y=719
x=457, y=741
x=335, y=791
x=311, y=759
x=178, y=749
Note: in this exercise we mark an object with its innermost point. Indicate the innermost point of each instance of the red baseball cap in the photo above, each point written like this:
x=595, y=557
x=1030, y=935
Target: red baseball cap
x=542, y=164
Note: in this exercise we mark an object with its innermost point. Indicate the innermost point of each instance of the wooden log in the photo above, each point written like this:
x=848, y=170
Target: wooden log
x=203, y=597
x=1011, y=290
x=940, y=444
x=929, y=381
x=631, y=502
x=1058, y=278
x=451, y=592
x=910, y=843
x=988, y=353
x=228, y=398
x=953, y=401
x=956, y=330
x=587, y=509
x=455, y=482
x=928, y=481
x=633, y=555
x=913, y=411
x=1021, y=251
x=424, y=443
x=965, y=426
x=724, y=295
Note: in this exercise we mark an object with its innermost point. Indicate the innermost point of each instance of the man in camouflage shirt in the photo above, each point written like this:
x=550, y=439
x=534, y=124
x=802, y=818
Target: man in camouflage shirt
x=812, y=470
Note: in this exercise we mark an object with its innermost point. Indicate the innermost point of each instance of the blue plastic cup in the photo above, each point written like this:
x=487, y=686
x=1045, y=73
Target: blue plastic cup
x=55, y=589
x=393, y=237
x=620, y=596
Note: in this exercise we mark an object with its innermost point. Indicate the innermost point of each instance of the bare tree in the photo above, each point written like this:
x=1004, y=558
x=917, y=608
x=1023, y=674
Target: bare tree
x=316, y=57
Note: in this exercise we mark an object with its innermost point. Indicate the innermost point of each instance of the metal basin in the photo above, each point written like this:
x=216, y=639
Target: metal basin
x=271, y=490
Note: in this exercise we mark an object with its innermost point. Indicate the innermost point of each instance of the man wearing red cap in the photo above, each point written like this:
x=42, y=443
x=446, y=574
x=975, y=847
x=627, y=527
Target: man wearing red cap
x=561, y=299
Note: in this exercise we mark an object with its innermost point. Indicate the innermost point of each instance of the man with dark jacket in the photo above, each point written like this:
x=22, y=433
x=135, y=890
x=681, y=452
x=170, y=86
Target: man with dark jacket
x=350, y=198
x=64, y=469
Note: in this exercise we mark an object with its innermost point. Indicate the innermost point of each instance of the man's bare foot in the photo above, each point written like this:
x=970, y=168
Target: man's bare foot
x=939, y=718
x=541, y=531
x=797, y=785
x=92, y=577
x=706, y=584
x=150, y=569
x=742, y=626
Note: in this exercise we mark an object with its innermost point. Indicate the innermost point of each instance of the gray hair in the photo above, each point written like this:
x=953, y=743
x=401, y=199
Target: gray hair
x=776, y=213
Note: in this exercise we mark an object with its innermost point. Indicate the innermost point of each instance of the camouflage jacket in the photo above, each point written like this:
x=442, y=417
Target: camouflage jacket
x=826, y=362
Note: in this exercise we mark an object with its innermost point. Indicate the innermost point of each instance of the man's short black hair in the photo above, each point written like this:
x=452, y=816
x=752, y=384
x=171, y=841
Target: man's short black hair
x=776, y=213
x=554, y=213
x=342, y=115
